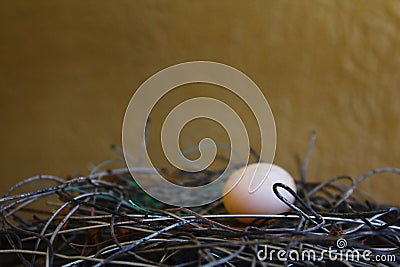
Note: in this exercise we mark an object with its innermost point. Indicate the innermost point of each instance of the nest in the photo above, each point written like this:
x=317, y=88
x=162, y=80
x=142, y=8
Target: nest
x=106, y=219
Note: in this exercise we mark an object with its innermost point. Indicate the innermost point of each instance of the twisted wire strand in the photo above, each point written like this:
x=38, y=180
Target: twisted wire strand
x=106, y=219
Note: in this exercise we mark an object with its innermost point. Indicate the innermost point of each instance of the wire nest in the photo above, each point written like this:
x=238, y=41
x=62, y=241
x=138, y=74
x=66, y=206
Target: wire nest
x=106, y=218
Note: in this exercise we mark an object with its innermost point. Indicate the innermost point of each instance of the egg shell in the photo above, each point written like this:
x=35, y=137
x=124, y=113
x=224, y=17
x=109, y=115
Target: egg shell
x=244, y=199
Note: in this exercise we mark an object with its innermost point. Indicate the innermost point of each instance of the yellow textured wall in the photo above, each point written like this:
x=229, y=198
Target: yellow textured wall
x=69, y=68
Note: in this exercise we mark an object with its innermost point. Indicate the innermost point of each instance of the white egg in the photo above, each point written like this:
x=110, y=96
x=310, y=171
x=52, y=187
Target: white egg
x=255, y=195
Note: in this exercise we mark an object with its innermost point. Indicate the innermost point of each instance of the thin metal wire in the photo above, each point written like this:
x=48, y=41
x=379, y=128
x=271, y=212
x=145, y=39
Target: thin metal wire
x=93, y=223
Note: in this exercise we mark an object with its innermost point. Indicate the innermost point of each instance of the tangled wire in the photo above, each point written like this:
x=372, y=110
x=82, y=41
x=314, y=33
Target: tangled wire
x=106, y=218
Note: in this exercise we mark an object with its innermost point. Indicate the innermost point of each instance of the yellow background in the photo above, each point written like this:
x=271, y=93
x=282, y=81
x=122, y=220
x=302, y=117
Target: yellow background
x=69, y=68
